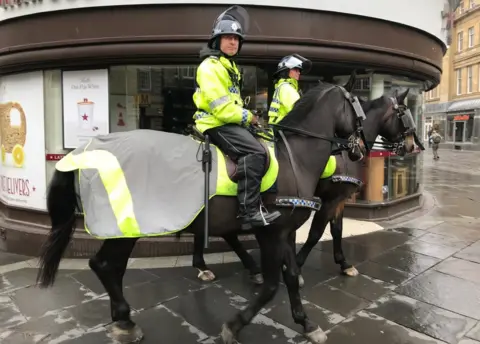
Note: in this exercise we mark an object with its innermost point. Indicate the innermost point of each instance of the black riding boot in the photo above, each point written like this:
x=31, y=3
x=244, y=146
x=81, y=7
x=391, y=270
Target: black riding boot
x=249, y=174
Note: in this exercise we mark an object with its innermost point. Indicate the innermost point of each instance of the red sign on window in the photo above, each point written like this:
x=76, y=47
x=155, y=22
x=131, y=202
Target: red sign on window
x=461, y=117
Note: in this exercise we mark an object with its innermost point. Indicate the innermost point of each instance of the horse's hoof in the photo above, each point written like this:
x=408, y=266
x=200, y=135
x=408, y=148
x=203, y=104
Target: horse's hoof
x=257, y=278
x=126, y=335
x=227, y=335
x=206, y=276
x=351, y=271
x=301, y=281
x=317, y=336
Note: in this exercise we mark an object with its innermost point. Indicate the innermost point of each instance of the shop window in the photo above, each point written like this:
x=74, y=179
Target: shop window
x=53, y=119
x=460, y=128
x=160, y=97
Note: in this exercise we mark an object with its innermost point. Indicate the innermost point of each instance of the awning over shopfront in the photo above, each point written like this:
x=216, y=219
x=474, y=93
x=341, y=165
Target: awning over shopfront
x=462, y=105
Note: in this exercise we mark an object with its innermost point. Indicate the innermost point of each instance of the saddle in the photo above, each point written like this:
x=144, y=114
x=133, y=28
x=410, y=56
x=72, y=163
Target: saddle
x=232, y=164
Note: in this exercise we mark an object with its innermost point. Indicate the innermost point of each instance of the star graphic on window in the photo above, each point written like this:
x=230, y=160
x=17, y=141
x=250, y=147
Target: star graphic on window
x=85, y=117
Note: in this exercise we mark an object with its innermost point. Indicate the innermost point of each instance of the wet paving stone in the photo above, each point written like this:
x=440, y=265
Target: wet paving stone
x=471, y=253
x=354, y=253
x=25, y=338
x=132, y=277
x=161, y=325
x=422, y=317
x=10, y=315
x=221, y=271
x=98, y=336
x=149, y=294
x=443, y=240
x=475, y=332
x=448, y=292
x=322, y=261
x=381, y=240
x=413, y=232
x=456, y=231
x=361, y=286
x=369, y=328
x=92, y=313
x=468, y=341
x=384, y=273
x=209, y=308
x=65, y=292
x=335, y=300
x=23, y=278
x=429, y=249
x=407, y=261
x=460, y=268
x=55, y=327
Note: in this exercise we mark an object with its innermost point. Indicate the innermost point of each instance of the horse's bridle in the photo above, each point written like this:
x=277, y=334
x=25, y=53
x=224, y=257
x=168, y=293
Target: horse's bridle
x=404, y=114
x=352, y=143
x=349, y=144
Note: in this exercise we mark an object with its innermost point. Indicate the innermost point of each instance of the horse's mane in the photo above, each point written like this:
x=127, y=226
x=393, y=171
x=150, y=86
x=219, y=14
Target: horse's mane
x=373, y=104
x=305, y=104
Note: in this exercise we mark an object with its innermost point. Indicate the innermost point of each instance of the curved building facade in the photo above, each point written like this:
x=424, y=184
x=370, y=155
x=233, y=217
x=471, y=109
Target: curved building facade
x=70, y=70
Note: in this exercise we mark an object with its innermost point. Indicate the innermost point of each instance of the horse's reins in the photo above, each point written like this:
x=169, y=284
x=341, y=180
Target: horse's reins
x=345, y=144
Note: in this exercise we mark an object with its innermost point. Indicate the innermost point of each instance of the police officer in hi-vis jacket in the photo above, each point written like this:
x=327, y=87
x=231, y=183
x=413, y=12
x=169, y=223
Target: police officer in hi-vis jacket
x=221, y=113
x=286, y=86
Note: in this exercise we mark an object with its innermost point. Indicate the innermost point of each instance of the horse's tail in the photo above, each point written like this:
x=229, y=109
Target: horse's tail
x=62, y=201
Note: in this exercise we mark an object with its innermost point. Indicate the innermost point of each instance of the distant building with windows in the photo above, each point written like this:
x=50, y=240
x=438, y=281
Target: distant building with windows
x=455, y=103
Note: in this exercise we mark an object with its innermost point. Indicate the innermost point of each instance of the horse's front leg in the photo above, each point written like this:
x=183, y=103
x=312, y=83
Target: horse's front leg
x=336, y=229
x=319, y=222
x=291, y=278
x=271, y=250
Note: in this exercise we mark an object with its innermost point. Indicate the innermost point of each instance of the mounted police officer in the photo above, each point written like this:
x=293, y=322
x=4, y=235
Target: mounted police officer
x=221, y=113
x=286, y=86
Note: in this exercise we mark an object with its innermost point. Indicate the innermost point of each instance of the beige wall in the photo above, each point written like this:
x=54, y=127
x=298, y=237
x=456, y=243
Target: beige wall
x=461, y=57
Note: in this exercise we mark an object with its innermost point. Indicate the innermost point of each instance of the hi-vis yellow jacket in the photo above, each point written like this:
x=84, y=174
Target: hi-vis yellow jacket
x=285, y=96
x=217, y=96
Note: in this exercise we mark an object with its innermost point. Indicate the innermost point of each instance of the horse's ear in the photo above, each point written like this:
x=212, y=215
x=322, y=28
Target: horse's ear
x=351, y=82
x=401, y=97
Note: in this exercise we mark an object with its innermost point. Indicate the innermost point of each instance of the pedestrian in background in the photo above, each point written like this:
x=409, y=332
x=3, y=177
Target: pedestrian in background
x=436, y=139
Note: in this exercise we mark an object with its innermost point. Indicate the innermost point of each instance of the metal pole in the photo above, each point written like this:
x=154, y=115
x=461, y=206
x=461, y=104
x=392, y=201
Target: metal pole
x=207, y=168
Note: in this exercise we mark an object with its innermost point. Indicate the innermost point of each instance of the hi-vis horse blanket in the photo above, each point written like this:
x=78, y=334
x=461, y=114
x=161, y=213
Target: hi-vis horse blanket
x=145, y=183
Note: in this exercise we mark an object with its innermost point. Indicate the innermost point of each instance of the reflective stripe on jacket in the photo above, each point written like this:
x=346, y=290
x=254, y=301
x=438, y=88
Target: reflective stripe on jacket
x=217, y=97
x=285, y=96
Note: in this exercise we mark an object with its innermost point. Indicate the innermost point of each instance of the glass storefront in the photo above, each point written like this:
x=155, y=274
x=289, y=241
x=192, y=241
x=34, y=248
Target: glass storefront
x=160, y=98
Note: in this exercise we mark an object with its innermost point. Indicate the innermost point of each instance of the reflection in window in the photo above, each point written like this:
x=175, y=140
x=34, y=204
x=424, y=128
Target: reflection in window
x=160, y=97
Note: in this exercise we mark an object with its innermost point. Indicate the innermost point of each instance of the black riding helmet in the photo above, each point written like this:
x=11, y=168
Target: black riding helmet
x=233, y=21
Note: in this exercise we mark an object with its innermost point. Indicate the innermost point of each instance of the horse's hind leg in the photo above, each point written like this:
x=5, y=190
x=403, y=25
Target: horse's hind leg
x=205, y=274
x=336, y=229
x=109, y=264
x=247, y=260
x=291, y=278
x=271, y=250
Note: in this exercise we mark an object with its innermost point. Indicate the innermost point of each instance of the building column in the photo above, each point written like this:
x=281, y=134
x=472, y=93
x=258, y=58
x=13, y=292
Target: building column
x=375, y=166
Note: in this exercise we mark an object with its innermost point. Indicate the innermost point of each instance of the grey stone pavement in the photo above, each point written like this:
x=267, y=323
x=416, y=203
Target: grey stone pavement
x=419, y=283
